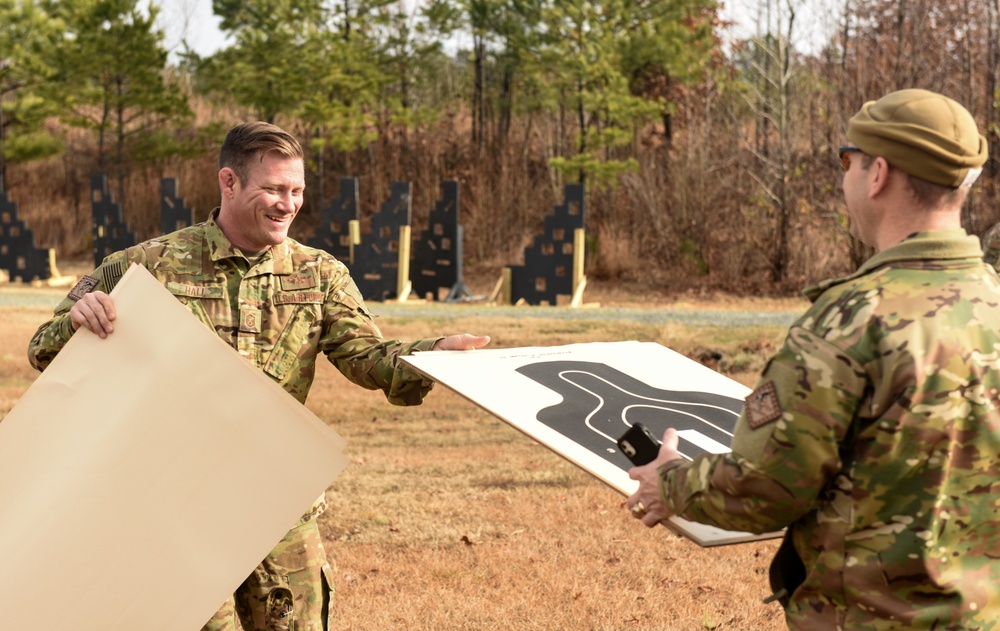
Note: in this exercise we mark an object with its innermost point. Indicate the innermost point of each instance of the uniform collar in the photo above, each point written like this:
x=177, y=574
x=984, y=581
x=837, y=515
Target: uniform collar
x=939, y=245
x=276, y=260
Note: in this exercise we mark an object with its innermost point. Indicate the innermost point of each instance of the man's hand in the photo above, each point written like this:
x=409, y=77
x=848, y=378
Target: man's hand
x=645, y=503
x=463, y=342
x=94, y=312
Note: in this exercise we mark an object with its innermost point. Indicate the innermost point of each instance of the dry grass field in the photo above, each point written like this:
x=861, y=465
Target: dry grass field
x=448, y=518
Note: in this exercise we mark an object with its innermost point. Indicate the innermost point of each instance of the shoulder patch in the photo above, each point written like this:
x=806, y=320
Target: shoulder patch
x=762, y=406
x=113, y=273
x=82, y=288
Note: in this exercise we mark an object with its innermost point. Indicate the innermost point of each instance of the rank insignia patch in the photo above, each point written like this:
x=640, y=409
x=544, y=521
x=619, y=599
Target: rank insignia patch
x=762, y=406
x=82, y=288
x=249, y=320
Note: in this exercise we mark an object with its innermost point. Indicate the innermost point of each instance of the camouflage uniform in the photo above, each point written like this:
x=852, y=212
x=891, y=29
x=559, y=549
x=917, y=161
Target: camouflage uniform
x=278, y=313
x=874, y=435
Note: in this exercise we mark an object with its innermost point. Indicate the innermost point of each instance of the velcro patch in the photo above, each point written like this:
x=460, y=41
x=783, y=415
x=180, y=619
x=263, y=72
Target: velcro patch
x=762, y=406
x=298, y=297
x=300, y=280
x=113, y=273
x=195, y=291
x=250, y=320
x=82, y=288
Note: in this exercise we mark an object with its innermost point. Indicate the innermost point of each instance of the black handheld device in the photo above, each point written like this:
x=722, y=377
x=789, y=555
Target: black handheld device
x=639, y=445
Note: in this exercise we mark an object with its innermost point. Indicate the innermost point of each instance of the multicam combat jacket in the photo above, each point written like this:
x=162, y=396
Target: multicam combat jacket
x=874, y=435
x=278, y=313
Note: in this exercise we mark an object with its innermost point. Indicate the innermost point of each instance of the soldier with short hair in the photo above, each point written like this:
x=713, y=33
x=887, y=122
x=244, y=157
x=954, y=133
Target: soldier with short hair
x=279, y=304
x=873, y=435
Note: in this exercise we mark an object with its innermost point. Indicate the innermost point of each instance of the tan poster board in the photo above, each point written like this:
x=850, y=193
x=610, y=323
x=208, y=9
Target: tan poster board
x=144, y=476
x=578, y=399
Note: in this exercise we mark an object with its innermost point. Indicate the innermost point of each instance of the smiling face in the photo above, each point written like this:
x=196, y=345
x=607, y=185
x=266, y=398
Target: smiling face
x=256, y=213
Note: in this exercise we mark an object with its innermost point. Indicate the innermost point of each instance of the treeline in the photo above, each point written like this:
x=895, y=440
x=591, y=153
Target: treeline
x=708, y=163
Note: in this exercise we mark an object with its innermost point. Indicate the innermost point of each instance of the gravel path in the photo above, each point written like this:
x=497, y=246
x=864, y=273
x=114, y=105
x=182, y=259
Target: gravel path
x=449, y=311
x=657, y=315
x=30, y=298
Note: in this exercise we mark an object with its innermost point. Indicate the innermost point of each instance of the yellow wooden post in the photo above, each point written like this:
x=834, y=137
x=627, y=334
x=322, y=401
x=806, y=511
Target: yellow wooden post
x=579, y=279
x=53, y=270
x=354, y=234
x=507, y=288
x=403, y=279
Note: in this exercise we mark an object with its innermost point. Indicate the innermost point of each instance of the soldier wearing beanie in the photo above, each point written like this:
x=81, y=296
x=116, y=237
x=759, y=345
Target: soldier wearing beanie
x=873, y=435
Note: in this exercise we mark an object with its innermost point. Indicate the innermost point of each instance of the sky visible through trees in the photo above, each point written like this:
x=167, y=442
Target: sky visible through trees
x=193, y=21
x=708, y=149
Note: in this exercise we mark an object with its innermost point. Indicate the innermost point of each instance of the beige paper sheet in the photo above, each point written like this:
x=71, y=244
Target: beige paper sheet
x=144, y=476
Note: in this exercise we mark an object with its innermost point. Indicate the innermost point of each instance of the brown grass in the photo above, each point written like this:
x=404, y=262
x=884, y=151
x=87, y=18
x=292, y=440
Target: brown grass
x=448, y=518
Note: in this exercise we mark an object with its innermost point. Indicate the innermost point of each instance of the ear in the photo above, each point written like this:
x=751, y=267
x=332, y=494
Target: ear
x=228, y=182
x=879, y=178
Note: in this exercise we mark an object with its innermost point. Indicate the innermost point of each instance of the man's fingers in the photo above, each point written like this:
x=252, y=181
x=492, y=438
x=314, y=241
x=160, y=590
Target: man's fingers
x=670, y=440
x=94, y=321
x=470, y=342
x=651, y=519
x=95, y=313
x=107, y=303
x=463, y=342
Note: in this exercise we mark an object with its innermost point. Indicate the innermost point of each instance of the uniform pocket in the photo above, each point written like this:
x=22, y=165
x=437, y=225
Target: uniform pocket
x=204, y=302
x=267, y=602
x=289, y=343
x=279, y=610
x=327, y=597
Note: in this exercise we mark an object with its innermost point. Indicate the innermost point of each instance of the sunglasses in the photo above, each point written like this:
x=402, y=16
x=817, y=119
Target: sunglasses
x=845, y=156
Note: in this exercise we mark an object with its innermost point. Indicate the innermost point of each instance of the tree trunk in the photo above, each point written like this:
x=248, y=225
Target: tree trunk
x=506, y=103
x=581, y=115
x=992, y=67
x=120, y=139
x=780, y=260
x=3, y=137
x=900, y=37
x=478, y=93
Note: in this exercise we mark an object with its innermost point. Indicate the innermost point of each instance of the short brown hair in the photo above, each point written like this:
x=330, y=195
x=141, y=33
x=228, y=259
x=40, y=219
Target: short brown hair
x=925, y=194
x=252, y=140
x=931, y=195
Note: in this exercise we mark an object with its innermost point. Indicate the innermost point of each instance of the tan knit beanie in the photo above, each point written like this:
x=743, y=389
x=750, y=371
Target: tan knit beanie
x=923, y=133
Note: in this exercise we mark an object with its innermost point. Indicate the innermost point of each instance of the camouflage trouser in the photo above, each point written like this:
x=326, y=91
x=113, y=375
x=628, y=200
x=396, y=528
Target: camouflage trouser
x=291, y=589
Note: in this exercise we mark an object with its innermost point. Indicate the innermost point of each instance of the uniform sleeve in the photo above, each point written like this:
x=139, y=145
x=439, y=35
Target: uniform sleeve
x=354, y=344
x=51, y=336
x=786, y=447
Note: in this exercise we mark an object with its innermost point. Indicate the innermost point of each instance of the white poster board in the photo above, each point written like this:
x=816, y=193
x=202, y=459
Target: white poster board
x=579, y=399
x=144, y=476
